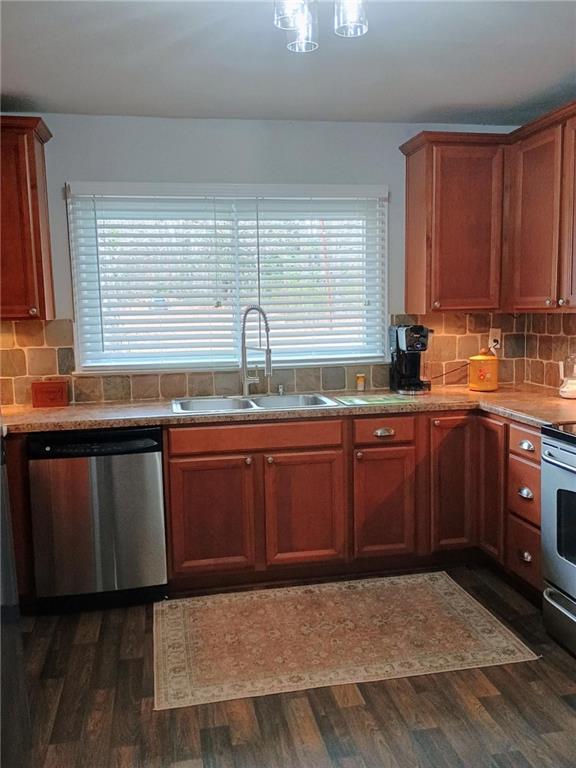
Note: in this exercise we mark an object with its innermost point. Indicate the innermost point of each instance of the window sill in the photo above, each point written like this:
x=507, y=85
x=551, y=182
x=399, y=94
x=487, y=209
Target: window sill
x=136, y=370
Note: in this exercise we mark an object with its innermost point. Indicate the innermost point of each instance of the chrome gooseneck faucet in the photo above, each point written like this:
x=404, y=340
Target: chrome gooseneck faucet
x=246, y=379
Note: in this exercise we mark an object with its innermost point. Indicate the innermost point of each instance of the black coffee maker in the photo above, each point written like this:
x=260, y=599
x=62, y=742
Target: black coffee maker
x=407, y=342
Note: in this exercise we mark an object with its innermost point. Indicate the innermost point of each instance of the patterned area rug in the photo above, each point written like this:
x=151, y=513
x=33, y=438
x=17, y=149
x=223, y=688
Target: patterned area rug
x=255, y=643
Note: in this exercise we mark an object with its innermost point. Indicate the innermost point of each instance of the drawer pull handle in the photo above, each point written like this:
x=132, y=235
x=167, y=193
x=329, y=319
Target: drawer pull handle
x=270, y=459
x=525, y=556
x=248, y=460
x=526, y=445
x=359, y=455
x=384, y=432
x=33, y=311
x=436, y=422
x=525, y=493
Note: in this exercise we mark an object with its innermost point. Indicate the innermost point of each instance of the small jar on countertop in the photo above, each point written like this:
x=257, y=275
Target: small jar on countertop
x=483, y=372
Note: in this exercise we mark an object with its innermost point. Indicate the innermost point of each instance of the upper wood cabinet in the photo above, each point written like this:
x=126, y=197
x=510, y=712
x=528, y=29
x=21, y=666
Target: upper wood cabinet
x=454, y=189
x=568, y=217
x=540, y=256
x=25, y=270
x=534, y=226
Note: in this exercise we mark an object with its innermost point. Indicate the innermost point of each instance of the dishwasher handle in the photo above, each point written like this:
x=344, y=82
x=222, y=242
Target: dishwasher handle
x=105, y=442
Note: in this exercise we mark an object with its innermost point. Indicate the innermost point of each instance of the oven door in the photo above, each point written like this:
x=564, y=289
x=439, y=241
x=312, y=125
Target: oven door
x=559, y=517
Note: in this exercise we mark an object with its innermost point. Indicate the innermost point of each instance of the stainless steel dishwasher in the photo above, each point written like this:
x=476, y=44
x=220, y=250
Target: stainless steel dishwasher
x=97, y=510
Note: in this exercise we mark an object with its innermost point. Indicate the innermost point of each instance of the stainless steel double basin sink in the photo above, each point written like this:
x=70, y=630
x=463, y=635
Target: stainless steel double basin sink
x=194, y=405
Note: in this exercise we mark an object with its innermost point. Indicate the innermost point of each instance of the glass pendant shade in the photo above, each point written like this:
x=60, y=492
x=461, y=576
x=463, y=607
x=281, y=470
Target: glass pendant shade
x=303, y=38
x=350, y=18
x=285, y=13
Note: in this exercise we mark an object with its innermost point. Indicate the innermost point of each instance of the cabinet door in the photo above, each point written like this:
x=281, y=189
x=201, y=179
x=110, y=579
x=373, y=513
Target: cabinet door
x=568, y=245
x=466, y=227
x=535, y=219
x=384, y=501
x=19, y=290
x=211, y=513
x=491, y=490
x=305, y=507
x=453, y=486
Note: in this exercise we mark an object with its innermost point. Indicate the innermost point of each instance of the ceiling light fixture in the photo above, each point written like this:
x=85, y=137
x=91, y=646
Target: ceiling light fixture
x=350, y=18
x=303, y=37
x=300, y=19
x=285, y=12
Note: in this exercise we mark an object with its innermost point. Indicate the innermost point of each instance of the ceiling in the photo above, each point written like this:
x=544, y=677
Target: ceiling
x=475, y=62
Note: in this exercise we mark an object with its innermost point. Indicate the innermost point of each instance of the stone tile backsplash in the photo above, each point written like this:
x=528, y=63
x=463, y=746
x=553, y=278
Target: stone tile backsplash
x=532, y=347
x=33, y=350
x=458, y=335
x=549, y=339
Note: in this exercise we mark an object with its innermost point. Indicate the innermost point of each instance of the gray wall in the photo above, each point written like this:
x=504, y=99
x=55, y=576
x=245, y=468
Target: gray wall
x=145, y=149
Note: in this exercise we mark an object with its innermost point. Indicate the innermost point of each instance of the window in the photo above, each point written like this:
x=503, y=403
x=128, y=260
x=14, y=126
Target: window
x=160, y=280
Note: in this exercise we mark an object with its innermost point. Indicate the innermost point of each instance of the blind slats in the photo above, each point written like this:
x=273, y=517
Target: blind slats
x=162, y=282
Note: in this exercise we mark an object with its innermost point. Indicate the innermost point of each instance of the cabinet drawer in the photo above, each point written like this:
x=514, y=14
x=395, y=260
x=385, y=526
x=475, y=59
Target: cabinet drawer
x=523, y=551
x=524, y=489
x=525, y=442
x=254, y=437
x=383, y=431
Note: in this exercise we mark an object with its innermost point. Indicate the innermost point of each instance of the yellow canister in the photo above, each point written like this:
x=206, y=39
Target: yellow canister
x=483, y=372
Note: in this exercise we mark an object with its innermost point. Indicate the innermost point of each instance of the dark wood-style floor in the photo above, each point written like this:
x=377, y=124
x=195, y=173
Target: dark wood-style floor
x=91, y=688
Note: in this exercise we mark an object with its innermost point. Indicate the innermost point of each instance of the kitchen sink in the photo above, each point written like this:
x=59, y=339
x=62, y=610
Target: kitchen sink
x=279, y=402
x=257, y=403
x=212, y=405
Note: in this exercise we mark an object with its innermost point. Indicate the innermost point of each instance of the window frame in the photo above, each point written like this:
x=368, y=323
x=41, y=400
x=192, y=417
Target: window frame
x=284, y=191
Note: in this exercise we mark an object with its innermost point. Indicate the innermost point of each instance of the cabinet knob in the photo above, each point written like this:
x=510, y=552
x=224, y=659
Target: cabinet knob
x=561, y=302
x=549, y=302
x=525, y=493
x=33, y=311
x=383, y=432
x=525, y=556
x=270, y=459
x=359, y=455
x=248, y=460
x=436, y=304
x=526, y=445
x=436, y=422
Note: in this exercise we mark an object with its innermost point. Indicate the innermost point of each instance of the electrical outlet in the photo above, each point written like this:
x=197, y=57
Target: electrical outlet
x=495, y=338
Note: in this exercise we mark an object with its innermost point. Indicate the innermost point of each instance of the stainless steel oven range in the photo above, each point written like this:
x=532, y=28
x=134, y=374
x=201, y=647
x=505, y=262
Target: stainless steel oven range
x=559, y=532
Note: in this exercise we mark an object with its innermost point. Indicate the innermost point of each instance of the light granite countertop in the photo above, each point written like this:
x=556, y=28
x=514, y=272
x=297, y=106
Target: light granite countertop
x=528, y=404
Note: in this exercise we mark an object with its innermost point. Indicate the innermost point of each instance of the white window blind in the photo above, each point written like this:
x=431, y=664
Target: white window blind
x=160, y=281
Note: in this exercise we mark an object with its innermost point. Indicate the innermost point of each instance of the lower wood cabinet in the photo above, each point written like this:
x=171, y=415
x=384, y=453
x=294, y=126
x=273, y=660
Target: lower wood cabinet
x=384, y=501
x=409, y=486
x=212, y=513
x=523, y=556
x=305, y=507
x=491, y=495
x=453, y=486
x=246, y=510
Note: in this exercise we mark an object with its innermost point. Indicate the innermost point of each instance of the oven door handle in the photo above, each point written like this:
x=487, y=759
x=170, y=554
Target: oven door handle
x=557, y=463
x=549, y=596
